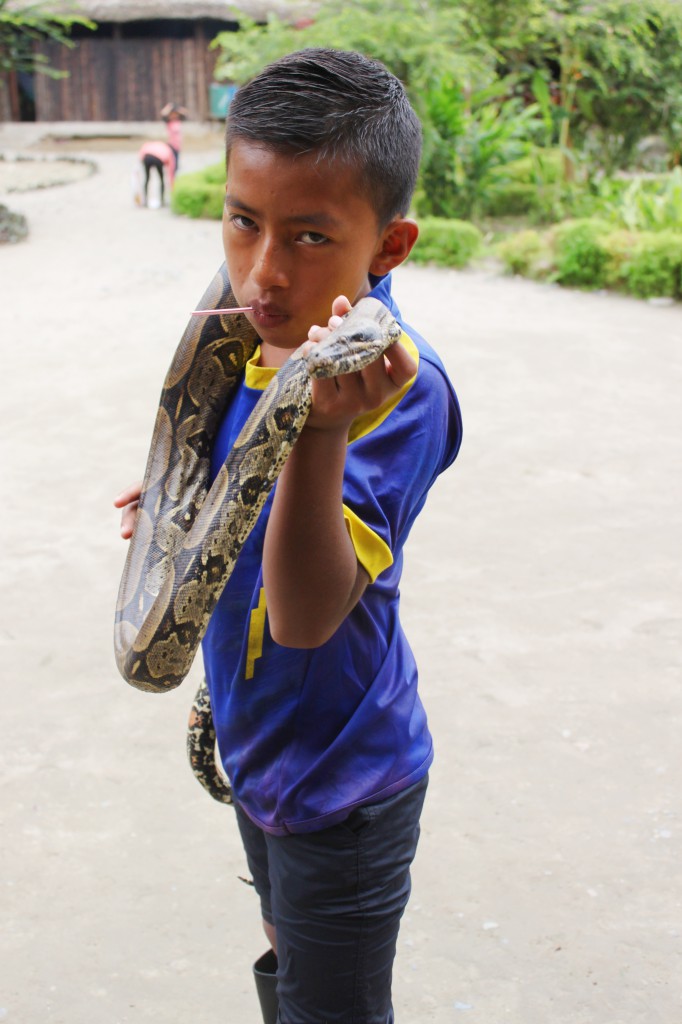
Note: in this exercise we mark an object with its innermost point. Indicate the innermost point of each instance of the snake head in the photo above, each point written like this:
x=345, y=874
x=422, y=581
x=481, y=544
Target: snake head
x=366, y=331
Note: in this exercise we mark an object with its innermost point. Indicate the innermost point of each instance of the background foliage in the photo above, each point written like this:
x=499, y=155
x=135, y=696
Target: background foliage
x=536, y=109
x=21, y=29
x=494, y=80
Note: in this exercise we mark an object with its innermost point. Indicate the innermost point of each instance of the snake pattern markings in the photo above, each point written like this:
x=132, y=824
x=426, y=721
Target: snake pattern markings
x=187, y=536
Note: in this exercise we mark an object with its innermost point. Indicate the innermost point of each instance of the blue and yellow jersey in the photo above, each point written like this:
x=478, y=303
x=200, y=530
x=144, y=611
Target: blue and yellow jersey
x=306, y=735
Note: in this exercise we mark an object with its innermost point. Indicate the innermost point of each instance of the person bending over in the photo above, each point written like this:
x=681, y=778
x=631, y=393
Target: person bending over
x=158, y=156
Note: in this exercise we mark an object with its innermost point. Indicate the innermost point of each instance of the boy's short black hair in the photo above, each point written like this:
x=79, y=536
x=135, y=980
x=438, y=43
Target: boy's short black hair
x=341, y=106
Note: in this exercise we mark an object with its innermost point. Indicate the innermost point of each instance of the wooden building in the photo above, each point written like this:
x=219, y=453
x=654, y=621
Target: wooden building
x=142, y=55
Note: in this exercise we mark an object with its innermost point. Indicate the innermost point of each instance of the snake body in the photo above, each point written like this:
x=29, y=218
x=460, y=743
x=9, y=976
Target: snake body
x=187, y=536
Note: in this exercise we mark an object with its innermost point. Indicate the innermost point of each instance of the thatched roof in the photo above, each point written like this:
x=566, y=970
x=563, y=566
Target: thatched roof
x=148, y=10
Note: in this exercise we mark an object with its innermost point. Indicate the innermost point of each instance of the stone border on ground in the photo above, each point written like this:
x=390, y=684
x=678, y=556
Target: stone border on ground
x=21, y=173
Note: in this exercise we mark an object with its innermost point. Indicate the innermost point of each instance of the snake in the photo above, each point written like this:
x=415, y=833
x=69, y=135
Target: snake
x=188, y=532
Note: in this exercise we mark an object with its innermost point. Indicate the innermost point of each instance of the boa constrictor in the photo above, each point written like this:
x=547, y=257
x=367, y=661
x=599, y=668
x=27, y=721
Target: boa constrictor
x=187, y=536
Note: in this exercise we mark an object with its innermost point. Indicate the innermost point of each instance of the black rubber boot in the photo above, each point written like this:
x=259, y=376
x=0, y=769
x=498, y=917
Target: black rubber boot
x=265, y=973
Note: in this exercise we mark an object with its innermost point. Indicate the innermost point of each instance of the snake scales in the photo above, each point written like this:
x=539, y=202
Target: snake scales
x=187, y=536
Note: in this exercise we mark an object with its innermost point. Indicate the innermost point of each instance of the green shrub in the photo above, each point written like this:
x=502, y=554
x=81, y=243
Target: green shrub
x=512, y=199
x=655, y=268
x=471, y=138
x=653, y=203
x=647, y=206
x=619, y=245
x=524, y=252
x=579, y=253
x=449, y=243
x=591, y=254
x=546, y=164
x=201, y=193
x=530, y=185
x=215, y=174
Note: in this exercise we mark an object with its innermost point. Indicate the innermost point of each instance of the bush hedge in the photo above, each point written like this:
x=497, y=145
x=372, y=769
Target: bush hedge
x=448, y=243
x=526, y=253
x=579, y=253
x=200, y=193
x=655, y=267
x=591, y=254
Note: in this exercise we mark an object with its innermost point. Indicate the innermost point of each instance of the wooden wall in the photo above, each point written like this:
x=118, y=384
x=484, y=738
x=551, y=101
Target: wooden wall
x=128, y=72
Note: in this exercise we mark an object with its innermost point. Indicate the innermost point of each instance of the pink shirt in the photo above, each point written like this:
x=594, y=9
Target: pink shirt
x=163, y=152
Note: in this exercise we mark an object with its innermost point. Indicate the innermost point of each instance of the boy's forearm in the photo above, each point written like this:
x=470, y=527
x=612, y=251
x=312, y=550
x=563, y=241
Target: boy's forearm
x=311, y=574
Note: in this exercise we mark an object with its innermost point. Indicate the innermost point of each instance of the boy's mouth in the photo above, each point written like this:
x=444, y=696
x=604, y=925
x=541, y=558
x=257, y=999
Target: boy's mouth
x=267, y=315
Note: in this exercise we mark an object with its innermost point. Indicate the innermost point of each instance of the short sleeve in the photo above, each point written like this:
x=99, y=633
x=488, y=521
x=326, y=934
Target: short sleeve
x=393, y=463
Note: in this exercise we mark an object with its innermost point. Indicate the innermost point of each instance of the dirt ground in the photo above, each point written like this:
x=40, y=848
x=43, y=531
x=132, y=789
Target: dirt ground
x=542, y=596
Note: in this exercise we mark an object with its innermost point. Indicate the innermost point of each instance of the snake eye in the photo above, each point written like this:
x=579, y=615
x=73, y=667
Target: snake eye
x=395, y=331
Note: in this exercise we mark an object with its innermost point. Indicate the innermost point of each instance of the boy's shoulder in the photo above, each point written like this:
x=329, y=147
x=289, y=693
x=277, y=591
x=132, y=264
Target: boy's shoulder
x=423, y=421
x=382, y=290
x=432, y=371
x=429, y=361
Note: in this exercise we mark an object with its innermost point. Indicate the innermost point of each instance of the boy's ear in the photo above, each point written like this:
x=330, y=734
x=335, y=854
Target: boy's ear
x=395, y=245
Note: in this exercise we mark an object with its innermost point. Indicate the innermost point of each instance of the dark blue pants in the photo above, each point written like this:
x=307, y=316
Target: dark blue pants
x=336, y=898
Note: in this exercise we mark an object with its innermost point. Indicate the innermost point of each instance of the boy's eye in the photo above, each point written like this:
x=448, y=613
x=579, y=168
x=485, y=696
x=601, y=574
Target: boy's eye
x=240, y=221
x=312, y=238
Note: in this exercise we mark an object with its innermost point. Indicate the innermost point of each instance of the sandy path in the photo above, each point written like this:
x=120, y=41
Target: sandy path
x=542, y=597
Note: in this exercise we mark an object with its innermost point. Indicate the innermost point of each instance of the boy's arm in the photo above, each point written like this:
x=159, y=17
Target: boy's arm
x=311, y=574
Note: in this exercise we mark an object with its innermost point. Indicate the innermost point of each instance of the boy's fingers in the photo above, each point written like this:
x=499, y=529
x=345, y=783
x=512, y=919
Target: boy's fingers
x=340, y=306
x=128, y=500
x=128, y=520
x=399, y=364
x=131, y=493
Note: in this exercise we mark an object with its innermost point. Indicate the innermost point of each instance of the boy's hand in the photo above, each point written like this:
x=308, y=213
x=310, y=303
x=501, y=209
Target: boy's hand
x=339, y=400
x=128, y=500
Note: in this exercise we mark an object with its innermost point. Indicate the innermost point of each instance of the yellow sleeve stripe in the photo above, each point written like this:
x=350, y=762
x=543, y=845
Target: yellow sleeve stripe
x=256, y=631
x=371, y=420
x=370, y=550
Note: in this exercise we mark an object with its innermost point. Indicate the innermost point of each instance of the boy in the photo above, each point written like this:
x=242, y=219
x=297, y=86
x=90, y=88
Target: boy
x=312, y=681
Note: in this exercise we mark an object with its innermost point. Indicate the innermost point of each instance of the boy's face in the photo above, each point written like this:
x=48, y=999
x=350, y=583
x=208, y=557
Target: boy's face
x=296, y=235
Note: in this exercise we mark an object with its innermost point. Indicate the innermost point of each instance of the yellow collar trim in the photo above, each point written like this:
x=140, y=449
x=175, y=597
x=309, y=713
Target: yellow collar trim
x=258, y=377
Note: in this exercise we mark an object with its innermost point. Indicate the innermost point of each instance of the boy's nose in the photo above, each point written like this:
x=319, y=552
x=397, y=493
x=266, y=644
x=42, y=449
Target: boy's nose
x=269, y=270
